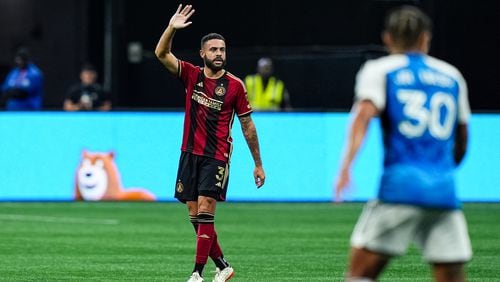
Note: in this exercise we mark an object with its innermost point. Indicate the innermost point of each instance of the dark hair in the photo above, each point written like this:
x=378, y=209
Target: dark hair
x=23, y=53
x=211, y=36
x=88, y=67
x=406, y=23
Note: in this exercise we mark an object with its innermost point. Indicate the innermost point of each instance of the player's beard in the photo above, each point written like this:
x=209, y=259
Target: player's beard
x=212, y=66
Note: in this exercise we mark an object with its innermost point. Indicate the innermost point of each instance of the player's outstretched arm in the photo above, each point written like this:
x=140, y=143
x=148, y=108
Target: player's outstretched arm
x=163, y=49
x=362, y=113
x=250, y=134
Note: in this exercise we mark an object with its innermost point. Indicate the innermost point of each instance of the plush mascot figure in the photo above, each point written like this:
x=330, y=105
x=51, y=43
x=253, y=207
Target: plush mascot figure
x=98, y=179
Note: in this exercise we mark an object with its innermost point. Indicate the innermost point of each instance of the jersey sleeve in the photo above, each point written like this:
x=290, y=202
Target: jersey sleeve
x=370, y=85
x=242, y=105
x=188, y=73
x=36, y=78
x=5, y=84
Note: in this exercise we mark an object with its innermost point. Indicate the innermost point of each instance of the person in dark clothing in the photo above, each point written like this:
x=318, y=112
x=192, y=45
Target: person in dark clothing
x=88, y=94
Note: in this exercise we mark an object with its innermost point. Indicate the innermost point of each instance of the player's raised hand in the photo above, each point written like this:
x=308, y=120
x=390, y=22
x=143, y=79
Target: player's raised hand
x=259, y=176
x=179, y=19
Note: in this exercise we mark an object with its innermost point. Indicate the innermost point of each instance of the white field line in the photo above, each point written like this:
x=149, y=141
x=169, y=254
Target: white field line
x=54, y=219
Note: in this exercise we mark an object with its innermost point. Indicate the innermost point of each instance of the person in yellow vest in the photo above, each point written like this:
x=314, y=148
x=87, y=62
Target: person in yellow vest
x=265, y=91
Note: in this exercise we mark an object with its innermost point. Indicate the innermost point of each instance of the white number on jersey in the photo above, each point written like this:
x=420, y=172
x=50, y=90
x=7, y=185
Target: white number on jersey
x=424, y=118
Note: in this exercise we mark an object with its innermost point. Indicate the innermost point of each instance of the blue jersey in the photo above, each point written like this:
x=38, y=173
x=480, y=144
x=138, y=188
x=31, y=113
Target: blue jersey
x=29, y=80
x=421, y=100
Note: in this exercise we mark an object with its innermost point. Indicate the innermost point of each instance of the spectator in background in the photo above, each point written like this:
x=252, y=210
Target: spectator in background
x=265, y=91
x=22, y=89
x=87, y=95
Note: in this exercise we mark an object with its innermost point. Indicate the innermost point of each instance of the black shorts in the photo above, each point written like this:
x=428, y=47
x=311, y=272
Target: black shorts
x=201, y=176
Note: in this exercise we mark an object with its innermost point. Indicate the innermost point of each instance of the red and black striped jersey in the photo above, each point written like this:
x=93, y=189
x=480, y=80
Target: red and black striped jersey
x=211, y=105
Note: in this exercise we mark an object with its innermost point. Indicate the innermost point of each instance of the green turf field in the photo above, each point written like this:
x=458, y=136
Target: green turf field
x=155, y=242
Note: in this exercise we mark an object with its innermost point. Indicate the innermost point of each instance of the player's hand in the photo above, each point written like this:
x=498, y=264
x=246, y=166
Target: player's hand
x=259, y=176
x=343, y=181
x=179, y=19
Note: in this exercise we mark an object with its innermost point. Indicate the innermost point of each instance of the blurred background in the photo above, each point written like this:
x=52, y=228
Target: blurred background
x=317, y=46
x=54, y=155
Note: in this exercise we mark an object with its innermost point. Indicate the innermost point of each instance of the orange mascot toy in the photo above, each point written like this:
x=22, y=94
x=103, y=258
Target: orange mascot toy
x=98, y=179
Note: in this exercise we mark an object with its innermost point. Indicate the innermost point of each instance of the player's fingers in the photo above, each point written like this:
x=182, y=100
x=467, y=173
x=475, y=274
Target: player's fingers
x=186, y=9
x=178, y=9
x=190, y=14
x=338, y=192
x=259, y=180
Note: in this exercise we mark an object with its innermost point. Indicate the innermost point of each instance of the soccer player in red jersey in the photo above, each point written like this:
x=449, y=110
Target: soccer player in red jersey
x=213, y=97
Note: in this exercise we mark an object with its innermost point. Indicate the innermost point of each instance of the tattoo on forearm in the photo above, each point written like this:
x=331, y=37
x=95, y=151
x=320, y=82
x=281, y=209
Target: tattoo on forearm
x=250, y=133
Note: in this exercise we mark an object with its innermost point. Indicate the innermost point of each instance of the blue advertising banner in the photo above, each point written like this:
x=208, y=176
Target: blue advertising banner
x=60, y=156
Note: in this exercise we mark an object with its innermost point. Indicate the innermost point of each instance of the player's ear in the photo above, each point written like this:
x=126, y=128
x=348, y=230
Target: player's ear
x=425, y=41
x=202, y=53
x=387, y=39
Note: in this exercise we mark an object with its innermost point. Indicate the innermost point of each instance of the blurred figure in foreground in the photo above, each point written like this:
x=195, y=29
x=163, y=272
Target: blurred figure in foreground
x=424, y=110
x=22, y=89
x=265, y=91
x=87, y=94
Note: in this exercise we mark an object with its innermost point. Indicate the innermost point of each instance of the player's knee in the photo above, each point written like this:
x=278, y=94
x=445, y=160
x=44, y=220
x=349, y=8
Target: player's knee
x=206, y=204
x=449, y=271
x=192, y=207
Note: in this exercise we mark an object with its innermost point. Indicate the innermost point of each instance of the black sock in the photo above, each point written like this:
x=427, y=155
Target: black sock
x=198, y=268
x=194, y=221
x=221, y=263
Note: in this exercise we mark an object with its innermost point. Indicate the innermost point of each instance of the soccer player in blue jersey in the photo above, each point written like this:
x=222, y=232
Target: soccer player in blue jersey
x=423, y=107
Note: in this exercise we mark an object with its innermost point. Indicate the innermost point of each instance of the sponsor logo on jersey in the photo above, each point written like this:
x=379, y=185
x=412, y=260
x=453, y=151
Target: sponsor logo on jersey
x=202, y=99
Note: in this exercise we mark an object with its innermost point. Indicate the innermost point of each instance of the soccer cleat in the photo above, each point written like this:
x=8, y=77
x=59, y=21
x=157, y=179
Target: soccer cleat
x=223, y=275
x=195, y=277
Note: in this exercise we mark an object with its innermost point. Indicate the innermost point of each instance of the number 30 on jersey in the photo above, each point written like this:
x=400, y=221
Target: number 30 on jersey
x=423, y=118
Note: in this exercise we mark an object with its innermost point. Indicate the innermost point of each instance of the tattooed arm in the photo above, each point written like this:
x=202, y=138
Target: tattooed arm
x=250, y=133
